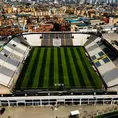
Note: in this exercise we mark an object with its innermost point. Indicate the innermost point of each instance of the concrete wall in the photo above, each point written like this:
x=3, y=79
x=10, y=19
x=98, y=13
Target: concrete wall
x=58, y=100
x=33, y=39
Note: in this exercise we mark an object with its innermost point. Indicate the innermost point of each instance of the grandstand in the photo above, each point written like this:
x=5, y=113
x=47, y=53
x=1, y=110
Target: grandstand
x=12, y=57
x=105, y=59
x=95, y=58
x=46, y=39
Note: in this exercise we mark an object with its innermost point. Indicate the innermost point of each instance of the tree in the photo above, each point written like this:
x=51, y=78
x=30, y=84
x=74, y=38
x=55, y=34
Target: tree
x=57, y=27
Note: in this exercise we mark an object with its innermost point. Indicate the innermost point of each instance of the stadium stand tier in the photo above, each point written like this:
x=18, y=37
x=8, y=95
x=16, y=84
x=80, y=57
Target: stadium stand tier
x=11, y=61
x=47, y=39
x=104, y=59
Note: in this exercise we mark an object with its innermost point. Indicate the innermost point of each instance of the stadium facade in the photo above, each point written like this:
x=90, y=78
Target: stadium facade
x=58, y=100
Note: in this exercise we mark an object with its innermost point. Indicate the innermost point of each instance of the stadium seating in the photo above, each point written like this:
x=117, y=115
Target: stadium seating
x=69, y=42
x=103, y=59
x=46, y=36
x=51, y=42
x=46, y=39
x=111, y=77
x=44, y=43
x=11, y=56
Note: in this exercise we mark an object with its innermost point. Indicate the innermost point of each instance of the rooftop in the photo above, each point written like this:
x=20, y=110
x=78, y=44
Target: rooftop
x=111, y=36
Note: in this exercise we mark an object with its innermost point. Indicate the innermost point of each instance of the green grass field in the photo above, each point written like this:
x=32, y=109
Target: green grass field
x=48, y=66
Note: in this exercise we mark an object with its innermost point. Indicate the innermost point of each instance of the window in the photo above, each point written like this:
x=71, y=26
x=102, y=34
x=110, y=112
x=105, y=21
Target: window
x=97, y=64
x=93, y=57
x=106, y=60
x=101, y=53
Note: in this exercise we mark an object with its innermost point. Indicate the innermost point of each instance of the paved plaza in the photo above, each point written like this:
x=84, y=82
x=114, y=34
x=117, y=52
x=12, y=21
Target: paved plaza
x=86, y=111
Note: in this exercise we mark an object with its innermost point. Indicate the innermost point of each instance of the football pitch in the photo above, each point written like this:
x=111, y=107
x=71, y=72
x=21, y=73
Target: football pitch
x=58, y=67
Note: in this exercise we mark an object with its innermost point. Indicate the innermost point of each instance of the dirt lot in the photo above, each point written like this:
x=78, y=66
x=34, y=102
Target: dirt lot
x=51, y=112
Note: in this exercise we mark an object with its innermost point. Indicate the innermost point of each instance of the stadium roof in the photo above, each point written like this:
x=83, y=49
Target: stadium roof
x=10, y=57
x=103, y=59
x=111, y=36
x=111, y=78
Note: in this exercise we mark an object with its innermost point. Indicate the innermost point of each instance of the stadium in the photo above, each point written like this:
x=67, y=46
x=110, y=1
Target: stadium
x=59, y=63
